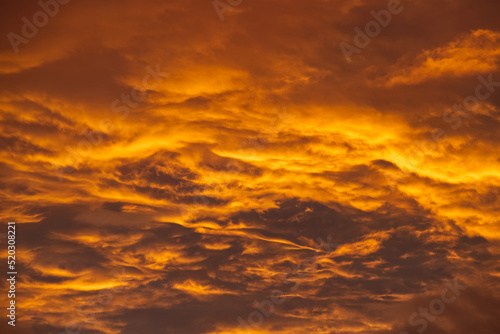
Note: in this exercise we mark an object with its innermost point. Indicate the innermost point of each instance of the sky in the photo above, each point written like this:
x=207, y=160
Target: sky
x=251, y=166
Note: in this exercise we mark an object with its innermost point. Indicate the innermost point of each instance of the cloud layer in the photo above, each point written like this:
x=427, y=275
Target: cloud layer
x=168, y=170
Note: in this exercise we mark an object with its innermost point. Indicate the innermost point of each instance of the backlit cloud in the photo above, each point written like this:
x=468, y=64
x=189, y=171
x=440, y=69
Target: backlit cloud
x=170, y=172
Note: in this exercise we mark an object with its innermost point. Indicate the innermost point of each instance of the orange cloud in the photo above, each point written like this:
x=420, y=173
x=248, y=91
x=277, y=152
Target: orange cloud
x=472, y=53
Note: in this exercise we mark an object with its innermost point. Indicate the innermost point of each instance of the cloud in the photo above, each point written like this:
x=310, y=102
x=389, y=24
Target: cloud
x=473, y=53
x=260, y=145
